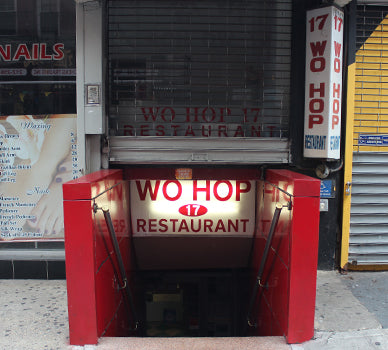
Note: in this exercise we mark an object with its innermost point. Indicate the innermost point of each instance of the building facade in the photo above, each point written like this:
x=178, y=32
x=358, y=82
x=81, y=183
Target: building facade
x=91, y=85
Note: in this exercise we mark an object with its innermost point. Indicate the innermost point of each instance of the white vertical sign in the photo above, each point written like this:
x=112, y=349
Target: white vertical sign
x=323, y=86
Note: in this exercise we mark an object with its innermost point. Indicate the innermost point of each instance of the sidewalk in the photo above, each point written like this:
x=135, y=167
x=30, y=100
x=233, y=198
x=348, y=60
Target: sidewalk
x=33, y=315
x=342, y=321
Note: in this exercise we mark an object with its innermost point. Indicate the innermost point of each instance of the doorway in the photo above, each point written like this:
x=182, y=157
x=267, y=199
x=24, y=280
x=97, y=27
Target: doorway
x=193, y=303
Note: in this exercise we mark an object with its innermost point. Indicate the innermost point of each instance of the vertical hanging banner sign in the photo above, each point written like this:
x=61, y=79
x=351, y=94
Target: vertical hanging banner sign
x=323, y=86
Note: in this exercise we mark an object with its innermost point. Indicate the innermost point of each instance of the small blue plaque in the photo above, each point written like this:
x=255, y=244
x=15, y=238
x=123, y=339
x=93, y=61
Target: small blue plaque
x=327, y=189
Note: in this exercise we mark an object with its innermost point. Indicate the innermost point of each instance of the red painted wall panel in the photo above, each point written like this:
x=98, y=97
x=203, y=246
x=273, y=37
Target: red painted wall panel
x=303, y=267
x=81, y=188
x=96, y=304
x=287, y=302
x=80, y=272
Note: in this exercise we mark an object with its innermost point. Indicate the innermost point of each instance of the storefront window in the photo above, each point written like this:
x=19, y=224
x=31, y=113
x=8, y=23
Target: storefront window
x=7, y=5
x=8, y=17
x=199, y=68
x=37, y=62
x=37, y=119
x=49, y=17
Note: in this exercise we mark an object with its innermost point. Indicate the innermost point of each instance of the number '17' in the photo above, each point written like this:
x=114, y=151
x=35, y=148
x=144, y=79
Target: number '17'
x=318, y=21
x=192, y=209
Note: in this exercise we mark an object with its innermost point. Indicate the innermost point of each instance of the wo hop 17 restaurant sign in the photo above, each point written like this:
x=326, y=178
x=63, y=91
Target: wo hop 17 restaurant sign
x=323, y=86
x=193, y=207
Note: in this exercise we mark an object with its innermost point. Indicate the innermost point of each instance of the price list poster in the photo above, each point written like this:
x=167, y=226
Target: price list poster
x=38, y=153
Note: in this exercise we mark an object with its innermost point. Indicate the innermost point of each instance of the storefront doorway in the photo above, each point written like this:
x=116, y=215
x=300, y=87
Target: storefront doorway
x=193, y=303
x=159, y=290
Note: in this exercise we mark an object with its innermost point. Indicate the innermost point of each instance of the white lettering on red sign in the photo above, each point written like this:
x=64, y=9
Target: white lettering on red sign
x=323, y=83
x=193, y=206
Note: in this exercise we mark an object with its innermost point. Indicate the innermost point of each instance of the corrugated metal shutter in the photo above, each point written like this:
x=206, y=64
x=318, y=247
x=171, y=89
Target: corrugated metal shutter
x=368, y=241
x=212, y=71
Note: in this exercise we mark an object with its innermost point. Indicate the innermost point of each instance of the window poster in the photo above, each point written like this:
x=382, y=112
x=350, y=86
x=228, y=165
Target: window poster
x=38, y=153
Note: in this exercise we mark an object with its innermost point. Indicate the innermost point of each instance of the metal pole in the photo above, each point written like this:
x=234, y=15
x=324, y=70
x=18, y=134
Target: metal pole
x=259, y=276
x=116, y=247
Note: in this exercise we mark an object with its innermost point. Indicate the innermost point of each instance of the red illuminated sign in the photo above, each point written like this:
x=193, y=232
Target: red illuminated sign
x=192, y=207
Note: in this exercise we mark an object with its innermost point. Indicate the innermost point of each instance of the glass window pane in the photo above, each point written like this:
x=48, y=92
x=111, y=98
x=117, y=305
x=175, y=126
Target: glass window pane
x=37, y=63
x=49, y=5
x=7, y=23
x=7, y=5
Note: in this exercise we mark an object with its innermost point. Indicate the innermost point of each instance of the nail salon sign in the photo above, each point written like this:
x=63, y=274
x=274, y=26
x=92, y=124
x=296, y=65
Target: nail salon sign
x=323, y=85
x=37, y=154
x=193, y=207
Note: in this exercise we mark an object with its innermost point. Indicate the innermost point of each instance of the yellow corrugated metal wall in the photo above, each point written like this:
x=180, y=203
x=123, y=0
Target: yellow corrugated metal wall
x=365, y=204
x=371, y=95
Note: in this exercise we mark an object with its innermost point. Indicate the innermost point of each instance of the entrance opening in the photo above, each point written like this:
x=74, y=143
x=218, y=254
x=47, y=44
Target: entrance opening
x=145, y=274
x=192, y=242
x=193, y=303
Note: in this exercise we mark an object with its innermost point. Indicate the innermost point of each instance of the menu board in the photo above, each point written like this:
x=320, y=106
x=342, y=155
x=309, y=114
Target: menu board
x=38, y=153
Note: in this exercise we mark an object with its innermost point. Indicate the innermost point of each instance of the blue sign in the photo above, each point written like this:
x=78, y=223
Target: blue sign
x=327, y=189
x=373, y=140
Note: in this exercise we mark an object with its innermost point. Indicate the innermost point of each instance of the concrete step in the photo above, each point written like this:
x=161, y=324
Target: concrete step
x=243, y=343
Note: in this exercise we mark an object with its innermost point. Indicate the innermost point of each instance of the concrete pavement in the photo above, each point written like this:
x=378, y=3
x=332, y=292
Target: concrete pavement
x=33, y=315
x=351, y=313
x=343, y=320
